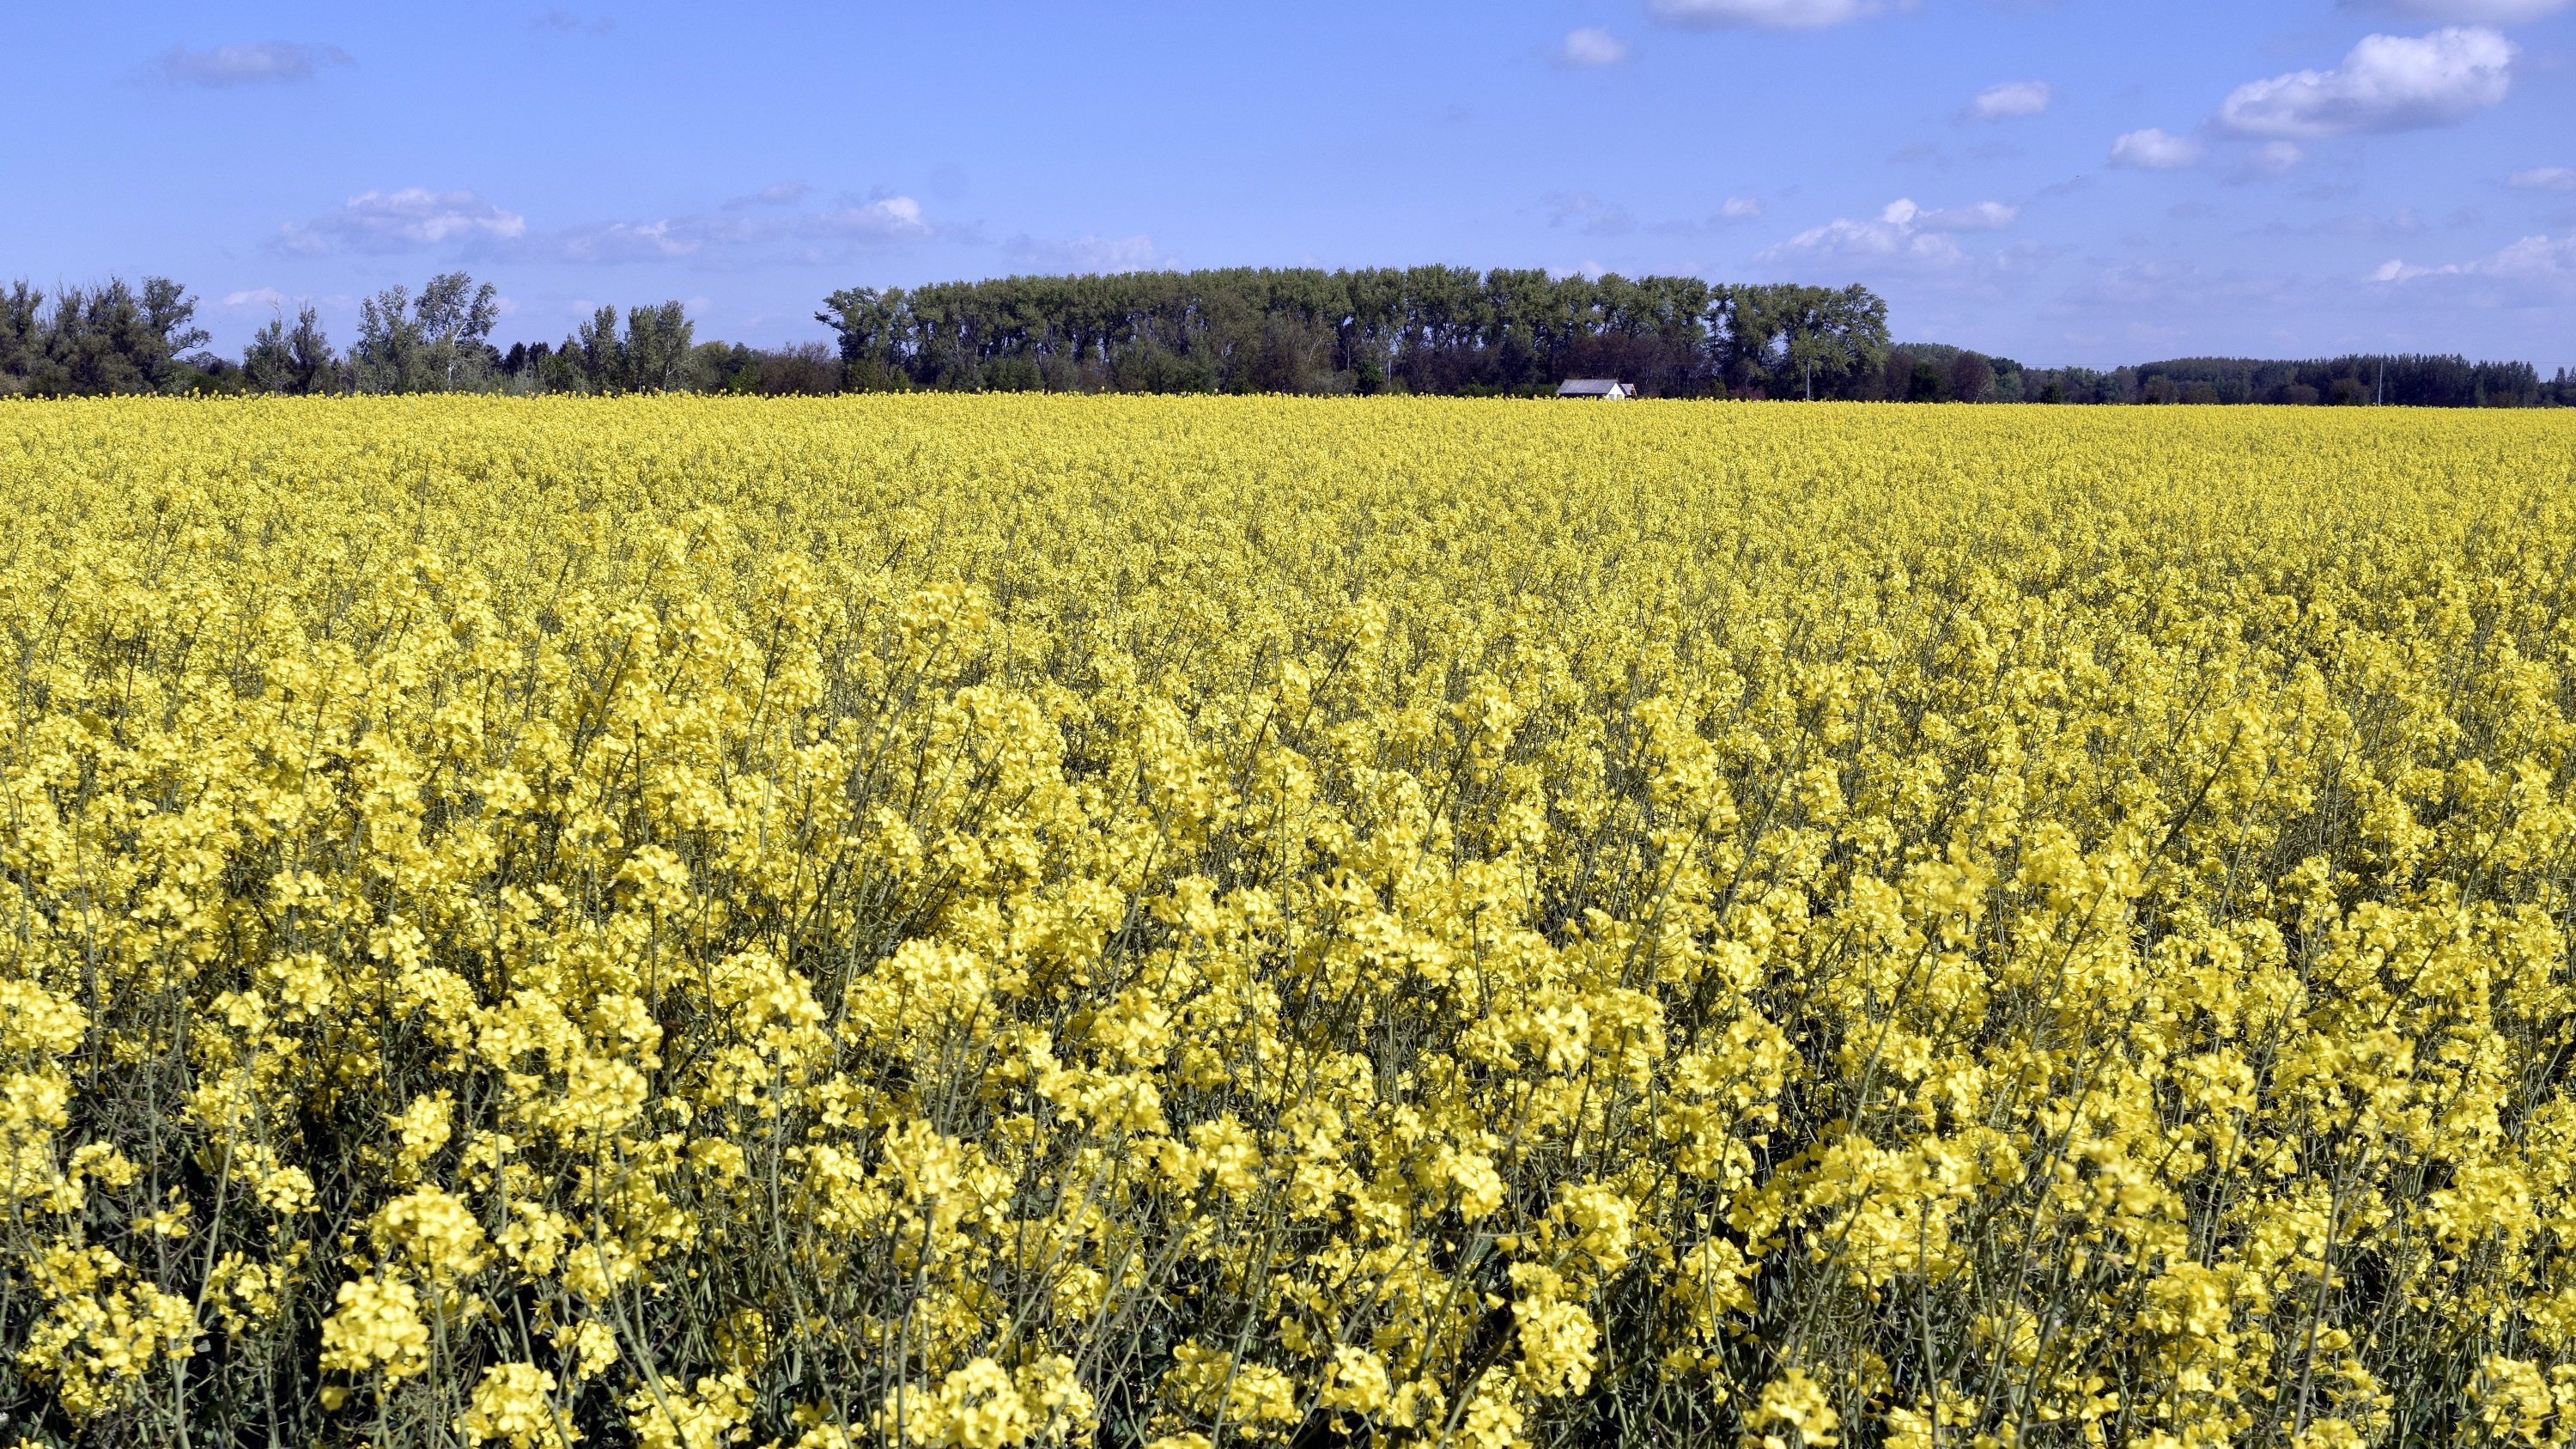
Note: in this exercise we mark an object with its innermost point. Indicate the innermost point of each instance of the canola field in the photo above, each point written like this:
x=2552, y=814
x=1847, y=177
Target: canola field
x=1202, y=923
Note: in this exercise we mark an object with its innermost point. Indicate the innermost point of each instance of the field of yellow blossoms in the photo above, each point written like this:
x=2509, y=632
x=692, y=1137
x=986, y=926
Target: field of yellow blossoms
x=1202, y=923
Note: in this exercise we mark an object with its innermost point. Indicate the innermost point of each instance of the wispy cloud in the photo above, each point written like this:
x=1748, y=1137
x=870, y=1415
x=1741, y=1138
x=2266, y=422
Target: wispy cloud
x=782, y=193
x=610, y=242
x=2536, y=270
x=2466, y=12
x=1587, y=213
x=1977, y=216
x=1734, y=211
x=420, y=219
x=573, y=22
x=2154, y=150
x=853, y=223
x=405, y=220
x=1769, y=14
x=2544, y=178
x=2387, y=83
x=2270, y=161
x=1088, y=253
x=2405, y=221
x=2136, y=291
x=1903, y=232
x=263, y=63
x=1590, y=48
x=875, y=218
x=2012, y=98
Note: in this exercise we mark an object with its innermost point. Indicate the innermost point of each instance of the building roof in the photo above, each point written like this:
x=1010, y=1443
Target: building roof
x=1591, y=387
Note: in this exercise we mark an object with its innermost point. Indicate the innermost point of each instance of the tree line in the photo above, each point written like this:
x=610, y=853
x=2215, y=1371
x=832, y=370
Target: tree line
x=1453, y=330
x=1444, y=330
x=1441, y=330
x=1429, y=329
x=1931, y=372
x=2395, y=380
x=118, y=338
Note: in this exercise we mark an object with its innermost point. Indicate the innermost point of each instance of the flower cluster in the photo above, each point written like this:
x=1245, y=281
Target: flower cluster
x=1046, y=921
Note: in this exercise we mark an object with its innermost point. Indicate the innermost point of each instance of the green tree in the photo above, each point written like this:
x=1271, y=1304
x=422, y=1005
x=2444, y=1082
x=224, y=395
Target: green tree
x=388, y=355
x=655, y=354
x=115, y=339
x=1801, y=341
x=22, y=336
x=298, y=361
x=164, y=331
x=452, y=318
x=1421, y=329
x=433, y=344
x=1972, y=377
x=595, y=352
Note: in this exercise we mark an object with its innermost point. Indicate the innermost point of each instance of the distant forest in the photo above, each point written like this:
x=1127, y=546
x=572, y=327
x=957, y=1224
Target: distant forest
x=1925, y=372
x=1438, y=330
x=1418, y=329
x=1453, y=330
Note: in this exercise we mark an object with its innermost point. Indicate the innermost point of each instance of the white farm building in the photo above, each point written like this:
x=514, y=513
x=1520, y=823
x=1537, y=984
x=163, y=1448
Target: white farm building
x=1601, y=387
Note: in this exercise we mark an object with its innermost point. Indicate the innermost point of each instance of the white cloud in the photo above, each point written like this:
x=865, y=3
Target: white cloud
x=1590, y=48
x=414, y=217
x=417, y=218
x=2533, y=270
x=1982, y=216
x=2534, y=256
x=2154, y=150
x=2012, y=98
x=634, y=241
x=1089, y=254
x=266, y=63
x=881, y=217
x=1903, y=233
x=257, y=299
x=2466, y=12
x=2387, y=83
x=1734, y=211
x=2544, y=178
x=871, y=222
x=1765, y=14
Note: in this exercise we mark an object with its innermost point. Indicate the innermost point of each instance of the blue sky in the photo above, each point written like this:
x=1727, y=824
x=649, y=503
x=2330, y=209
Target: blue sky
x=2072, y=182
